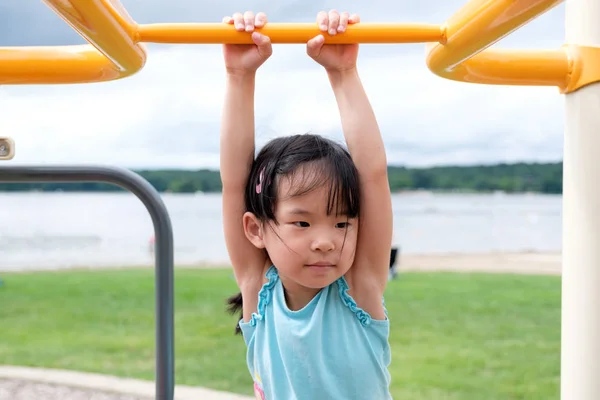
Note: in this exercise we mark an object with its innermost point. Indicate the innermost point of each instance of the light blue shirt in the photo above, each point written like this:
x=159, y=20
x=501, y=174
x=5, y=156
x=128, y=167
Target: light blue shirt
x=329, y=350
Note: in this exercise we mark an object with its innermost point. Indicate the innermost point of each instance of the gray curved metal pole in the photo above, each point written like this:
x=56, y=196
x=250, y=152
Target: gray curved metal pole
x=165, y=377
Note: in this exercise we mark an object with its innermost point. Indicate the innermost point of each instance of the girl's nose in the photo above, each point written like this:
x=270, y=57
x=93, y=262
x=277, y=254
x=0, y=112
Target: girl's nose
x=323, y=244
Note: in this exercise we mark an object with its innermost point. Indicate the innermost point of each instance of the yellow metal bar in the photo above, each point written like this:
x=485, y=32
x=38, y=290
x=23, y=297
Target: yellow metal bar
x=288, y=33
x=112, y=53
x=118, y=11
x=569, y=68
x=457, y=50
x=514, y=67
x=99, y=22
x=56, y=64
x=478, y=25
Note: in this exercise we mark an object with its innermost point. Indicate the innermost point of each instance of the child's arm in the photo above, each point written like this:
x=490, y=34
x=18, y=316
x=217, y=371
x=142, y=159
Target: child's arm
x=237, y=155
x=237, y=146
x=368, y=152
x=371, y=265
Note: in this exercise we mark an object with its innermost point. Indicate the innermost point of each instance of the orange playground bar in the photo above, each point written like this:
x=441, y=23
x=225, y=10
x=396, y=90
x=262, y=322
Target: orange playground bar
x=363, y=32
x=456, y=49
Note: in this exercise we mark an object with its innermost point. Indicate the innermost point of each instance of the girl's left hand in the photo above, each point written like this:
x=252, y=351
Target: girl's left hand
x=334, y=57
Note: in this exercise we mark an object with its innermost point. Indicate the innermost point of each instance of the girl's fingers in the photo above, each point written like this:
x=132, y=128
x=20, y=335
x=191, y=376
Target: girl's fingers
x=260, y=20
x=344, y=17
x=314, y=46
x=323, y=21
x=238, y=20
x=263, y=43
x=249, y=21
x=334, y=21
x=354, y=19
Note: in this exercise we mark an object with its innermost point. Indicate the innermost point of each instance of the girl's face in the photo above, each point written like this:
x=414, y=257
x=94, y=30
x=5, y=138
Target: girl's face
x=308, y=247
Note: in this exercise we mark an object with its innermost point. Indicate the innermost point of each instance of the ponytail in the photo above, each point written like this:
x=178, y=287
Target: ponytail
x=235, y=304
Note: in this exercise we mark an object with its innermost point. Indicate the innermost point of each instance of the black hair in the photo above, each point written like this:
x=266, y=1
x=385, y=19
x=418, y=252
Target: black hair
x=320, y=161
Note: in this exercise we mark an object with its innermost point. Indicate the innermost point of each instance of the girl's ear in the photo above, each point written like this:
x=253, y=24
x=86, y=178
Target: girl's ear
x=253, y=230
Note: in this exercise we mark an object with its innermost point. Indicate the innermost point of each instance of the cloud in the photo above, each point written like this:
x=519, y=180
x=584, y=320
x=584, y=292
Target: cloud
x=168, y=115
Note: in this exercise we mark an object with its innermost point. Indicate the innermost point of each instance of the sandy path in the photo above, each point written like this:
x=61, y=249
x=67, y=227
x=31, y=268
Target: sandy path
x=523, y=263
x=25, y=390
x=21, y=383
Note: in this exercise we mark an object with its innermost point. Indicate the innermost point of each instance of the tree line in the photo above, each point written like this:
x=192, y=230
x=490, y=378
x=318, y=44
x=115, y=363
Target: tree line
x=510, y=178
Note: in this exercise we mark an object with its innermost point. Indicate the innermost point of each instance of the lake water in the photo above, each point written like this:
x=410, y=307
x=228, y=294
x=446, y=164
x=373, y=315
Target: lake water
x=55, y=230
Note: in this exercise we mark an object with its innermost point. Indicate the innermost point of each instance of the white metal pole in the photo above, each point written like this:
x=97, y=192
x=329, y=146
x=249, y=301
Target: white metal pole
x=580, y=351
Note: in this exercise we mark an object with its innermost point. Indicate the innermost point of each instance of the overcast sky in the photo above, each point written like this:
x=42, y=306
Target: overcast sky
x=168, y=114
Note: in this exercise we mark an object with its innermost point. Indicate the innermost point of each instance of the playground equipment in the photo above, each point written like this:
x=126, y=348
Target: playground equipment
x=7, y=148
x=458, y=49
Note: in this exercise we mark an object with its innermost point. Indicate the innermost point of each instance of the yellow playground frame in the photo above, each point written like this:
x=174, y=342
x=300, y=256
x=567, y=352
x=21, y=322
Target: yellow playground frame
x=459, y=49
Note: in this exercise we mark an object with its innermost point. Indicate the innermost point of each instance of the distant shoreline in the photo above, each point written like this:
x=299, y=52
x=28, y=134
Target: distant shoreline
x=508, y=178
x=534, y=263
x=397, y=191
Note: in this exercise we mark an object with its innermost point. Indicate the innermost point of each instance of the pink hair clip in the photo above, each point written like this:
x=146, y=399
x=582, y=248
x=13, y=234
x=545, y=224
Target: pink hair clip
x=260, y=181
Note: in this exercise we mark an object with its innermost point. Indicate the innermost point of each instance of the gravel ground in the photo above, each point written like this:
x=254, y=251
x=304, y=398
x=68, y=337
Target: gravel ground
x=26, y=390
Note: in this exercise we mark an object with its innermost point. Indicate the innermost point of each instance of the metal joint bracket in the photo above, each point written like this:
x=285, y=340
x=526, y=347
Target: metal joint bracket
x=584, y=67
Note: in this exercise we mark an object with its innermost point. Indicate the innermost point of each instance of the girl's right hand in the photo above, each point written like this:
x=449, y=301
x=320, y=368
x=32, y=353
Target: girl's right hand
x=246, y=58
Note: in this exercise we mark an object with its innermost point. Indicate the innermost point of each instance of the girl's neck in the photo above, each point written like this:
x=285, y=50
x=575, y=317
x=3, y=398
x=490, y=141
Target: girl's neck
x=297, y=296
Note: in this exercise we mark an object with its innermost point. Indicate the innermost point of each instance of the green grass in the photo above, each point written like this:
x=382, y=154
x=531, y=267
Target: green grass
x=454, y=336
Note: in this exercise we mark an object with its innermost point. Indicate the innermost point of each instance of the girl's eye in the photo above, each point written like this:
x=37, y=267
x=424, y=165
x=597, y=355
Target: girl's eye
x=301, y=224
x=342, y=225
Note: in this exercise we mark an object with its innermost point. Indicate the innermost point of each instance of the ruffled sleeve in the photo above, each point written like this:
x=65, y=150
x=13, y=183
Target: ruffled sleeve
x=265, y=295
x=363, y=316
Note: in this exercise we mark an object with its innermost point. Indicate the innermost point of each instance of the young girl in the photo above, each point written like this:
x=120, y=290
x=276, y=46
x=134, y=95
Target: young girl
x=308, y=228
